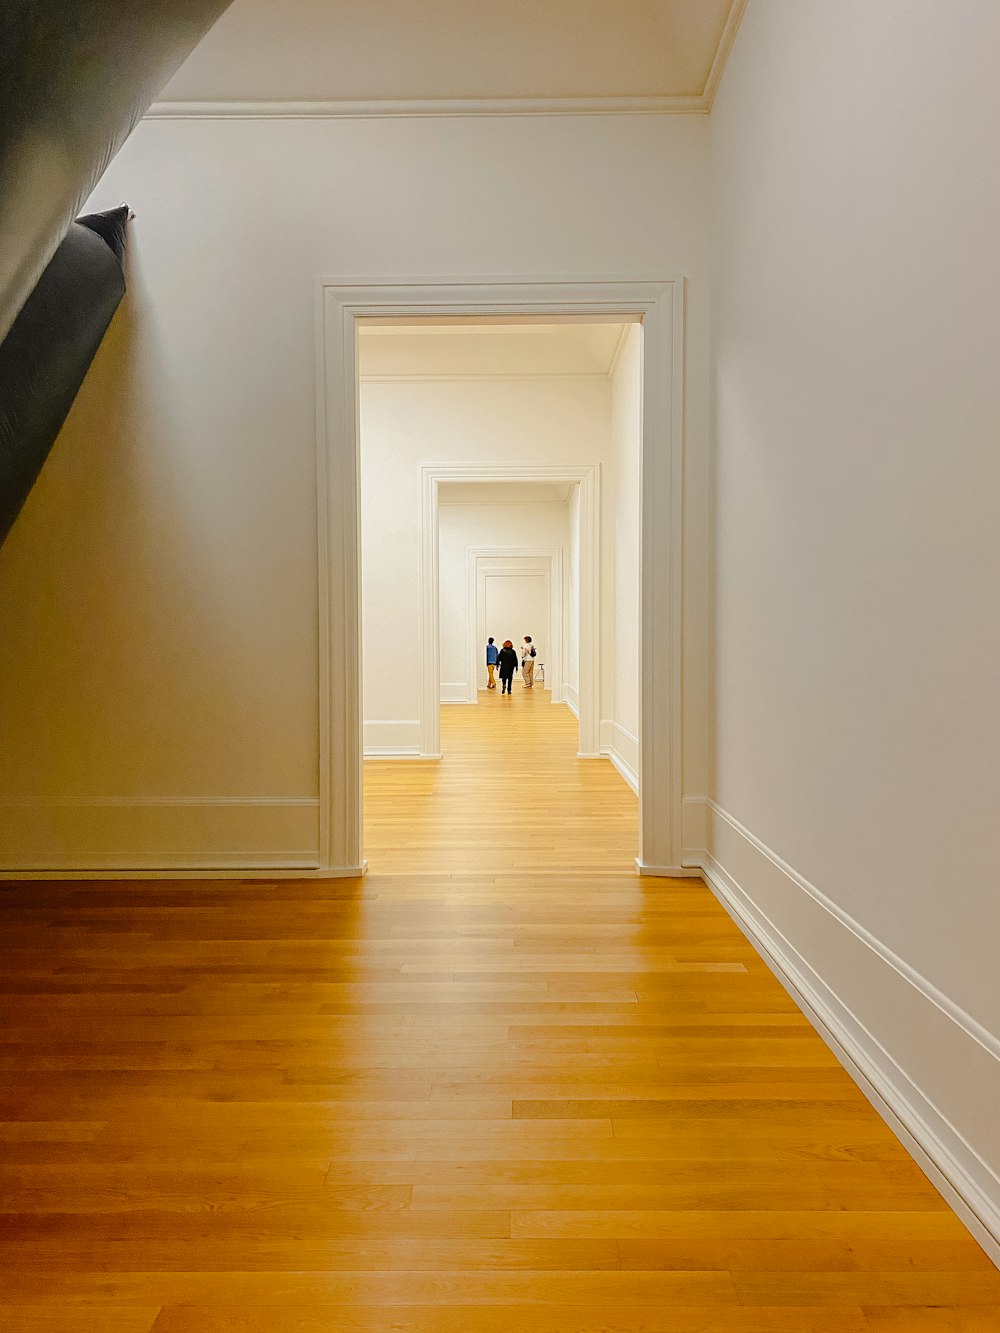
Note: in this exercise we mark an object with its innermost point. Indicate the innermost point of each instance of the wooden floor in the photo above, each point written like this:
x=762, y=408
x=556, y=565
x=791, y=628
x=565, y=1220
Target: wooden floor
x=500, y=1086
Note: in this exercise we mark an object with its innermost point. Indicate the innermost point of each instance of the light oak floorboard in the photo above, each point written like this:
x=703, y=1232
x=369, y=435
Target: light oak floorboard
x=500, y=1084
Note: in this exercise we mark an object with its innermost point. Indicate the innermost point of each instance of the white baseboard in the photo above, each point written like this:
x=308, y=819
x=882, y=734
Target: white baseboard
x=159, y=837
x=622, y=748
x=666, y=872
x=694, y=829
x=930, y=1069
x=571, y=697
x=392, y=739
x=253, y=874
x=457, y=692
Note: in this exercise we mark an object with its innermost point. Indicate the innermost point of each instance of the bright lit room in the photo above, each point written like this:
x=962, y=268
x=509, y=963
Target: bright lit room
x=500, y=464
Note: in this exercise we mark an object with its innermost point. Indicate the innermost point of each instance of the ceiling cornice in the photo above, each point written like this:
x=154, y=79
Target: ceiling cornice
x=722, y=53
x=296, y=109
x=456, y=377
x=264, y=109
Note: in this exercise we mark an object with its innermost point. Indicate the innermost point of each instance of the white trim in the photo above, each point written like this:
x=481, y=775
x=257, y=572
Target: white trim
x=97, y=865
x=483, y=377
x=694, y=827
x=338, y=500
x=161, y=802
x=722, y=53
x=392, y=738
x=172, y=834
x=647, y=870
x=572, y=700
x=407, y=108
x=629, y=774
x=912, y=1050
x=621, y=747
x=616, y=355
x=661, y=604
x=258, y=871
x=455, y=692
x=971, y=1026
x=492, y=503
x=660, y=306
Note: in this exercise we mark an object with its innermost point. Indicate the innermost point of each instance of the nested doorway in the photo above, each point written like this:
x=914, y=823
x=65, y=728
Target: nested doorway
x=657, y=305
x=516, y=591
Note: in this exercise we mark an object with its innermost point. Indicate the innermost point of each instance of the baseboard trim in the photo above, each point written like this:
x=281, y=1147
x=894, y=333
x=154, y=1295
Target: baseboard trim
x=387, y=738
x=408, y=108
x=629, y=774
x=666, y=872
x=174, y=874
x=621, y=746
x=895, y=993
x=457, y=692
x=162, y=835
x=414, y=756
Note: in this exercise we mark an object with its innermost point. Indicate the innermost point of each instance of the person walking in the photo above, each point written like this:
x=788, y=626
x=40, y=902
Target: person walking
x=528, y=655
x=492, y=653
x=506, y=666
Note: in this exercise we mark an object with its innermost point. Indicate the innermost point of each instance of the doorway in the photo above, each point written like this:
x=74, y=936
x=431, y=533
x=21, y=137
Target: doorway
x=515, y=591
x=573, y=572
x=659, y=308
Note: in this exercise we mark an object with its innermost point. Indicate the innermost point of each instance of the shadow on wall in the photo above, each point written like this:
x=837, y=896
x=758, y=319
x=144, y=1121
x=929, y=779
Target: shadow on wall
x=98, y=580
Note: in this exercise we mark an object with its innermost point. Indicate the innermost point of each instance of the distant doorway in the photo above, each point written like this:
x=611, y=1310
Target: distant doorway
x=516, y=593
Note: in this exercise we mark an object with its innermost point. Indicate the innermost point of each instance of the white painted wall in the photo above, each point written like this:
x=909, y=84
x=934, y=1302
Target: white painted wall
x=535, y=526
x=406, y=424
x=856, y=331
x=622, y=723
x=518, y=600
x=158, y=662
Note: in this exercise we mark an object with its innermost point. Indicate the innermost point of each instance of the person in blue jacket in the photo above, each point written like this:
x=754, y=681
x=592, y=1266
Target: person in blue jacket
x=491, y=663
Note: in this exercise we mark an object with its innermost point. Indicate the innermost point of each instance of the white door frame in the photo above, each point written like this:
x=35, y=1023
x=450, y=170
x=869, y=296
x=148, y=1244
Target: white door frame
x=588, y=478
x=660, y=305
x=495, y=562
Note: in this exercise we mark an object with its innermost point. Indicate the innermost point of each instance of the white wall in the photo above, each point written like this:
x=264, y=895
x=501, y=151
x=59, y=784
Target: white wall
x=158, y=663
x=408, y=423
x=542, y=526
x=856, y=330
x=622, y=722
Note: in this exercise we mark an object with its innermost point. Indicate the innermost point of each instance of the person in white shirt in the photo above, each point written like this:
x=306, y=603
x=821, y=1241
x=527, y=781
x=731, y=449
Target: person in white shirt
x=528, y=655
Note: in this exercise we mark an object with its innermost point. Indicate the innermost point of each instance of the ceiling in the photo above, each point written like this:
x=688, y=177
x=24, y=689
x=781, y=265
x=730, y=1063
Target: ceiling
x=401, y=55
x=455, y=349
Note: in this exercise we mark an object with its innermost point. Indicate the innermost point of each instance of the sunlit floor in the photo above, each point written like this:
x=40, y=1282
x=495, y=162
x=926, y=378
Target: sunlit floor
x=508, y=794
x=500, y=1086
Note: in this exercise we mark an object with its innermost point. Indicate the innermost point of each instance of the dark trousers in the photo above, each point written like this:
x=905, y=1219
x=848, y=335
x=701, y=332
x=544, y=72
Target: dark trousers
x=505, y=684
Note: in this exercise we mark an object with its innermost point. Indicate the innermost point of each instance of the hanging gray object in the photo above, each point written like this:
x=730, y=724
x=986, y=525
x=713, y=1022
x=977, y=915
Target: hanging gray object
x=75, y=78
x=50, y=346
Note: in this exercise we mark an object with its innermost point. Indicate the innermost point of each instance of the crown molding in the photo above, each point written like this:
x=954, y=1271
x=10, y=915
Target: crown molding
x=722, y=53
x=267, y=109
x=418, y=377
x=619, y=348
x=666, y=104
